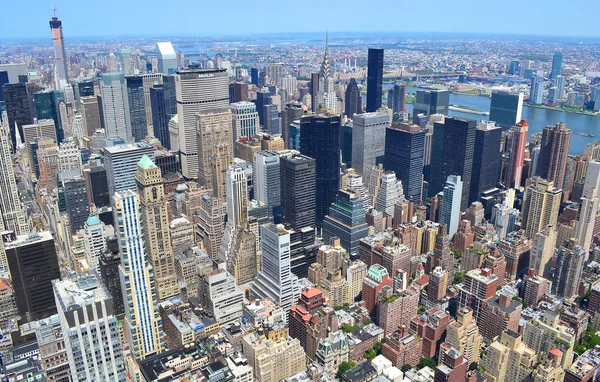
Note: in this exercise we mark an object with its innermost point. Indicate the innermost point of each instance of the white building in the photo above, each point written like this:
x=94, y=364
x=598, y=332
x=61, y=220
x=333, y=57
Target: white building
x=167, y=58
x=267, y=179
x=368, y=140
x=221, y=296
x=326, y=96
x=95, y=242
x=115, y=106
x=244, y=119
x=584, y=228
x=451, y=204
x=390, y=192
x=69, y=157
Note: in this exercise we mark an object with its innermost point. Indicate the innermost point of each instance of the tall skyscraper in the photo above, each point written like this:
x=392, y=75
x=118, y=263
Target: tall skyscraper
x=487, y=159
x=121, y=161
x=554, y=151
x=90, y=113
x=46, y=108
x=346, y=220
x=19, y=109
x=536, y=92
x=368, y=141
x=506, y=108
x=76, y=201
x=156, y=234
x=14, y=213
x=143, y=325
x=245, y=119
x=326, y=96
x=374, y=79
x=163, y=109
x=115, y=106
x=397, y=98
x=352, y=99
x=236, y=185
x=314, y=91
x=126, y=62
x=559, y=82
x=404, y=154
x=516, y=155
x=540, y=209
x=584, y=228
x=453, y=144
x=320, y=139
x=87, y=319
x=266, y=176
x=430, y=102
x=95, y=241
x=33, y=264
x=557, y=61
x=198, y=91
x=137, y=109
x=298, y=190
x=215, y=149
x=167, y=58
x=61, y=72
x=275, y=280
x=451, y=206
x=569, y=264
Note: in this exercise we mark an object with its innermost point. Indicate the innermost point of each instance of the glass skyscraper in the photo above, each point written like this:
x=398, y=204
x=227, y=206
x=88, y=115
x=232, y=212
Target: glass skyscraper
x=374, y=79
x=346, y=220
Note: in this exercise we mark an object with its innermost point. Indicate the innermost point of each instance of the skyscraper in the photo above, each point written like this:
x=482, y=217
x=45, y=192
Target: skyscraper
x=245, y=119
x=536, y=92
x=451, y=206
x=298, y=190
x=126, y=63
x=374, y=79
x=353, y=99
x=569, y=264
x=153, y=209
x=87, y=318
x=320, y=139
x=266, y=176
x=61, y=73
x=346, y=220
x=516, y=155
x=142, y=321
x=167, y=58
x=47, y=108
x=137, y=109
x=430, y=102
x=326, y=97
x=121, y=165
x=115, y=106
x=397, y=98
x=453, y=144
x=19, y=110
x=554, y=151
x=163, y=109
x=540, y=209
x=90, y=112
x=95, y=241
x=404, y=154
x=487, y=159
x=33, y=264
x=584, y=228
x=14, y=213
x=559, y=82
x=368, y=141
x=236, y=185
x=198, y=91
x=557, y=61
x=215, y=149
x=75, y=195
x=506, y=108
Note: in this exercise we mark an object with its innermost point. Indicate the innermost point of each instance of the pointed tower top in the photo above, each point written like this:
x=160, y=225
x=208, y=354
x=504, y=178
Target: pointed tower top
x=146, y=163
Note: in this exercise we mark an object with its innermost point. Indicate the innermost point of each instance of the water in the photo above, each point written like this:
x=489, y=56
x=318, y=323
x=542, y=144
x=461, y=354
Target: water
x=537, y=118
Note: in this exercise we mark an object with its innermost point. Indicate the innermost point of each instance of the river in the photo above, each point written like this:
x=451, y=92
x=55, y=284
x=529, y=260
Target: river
x=537, y=118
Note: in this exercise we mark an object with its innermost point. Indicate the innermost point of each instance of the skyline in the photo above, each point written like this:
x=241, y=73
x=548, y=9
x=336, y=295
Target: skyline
x=536, y=18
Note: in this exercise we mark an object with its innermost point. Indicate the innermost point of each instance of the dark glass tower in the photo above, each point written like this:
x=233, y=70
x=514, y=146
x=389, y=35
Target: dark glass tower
x=353, y=100
x=430, y=102
x=346, y=220
x=506, y=108
x=76, y=200
x=487, y=159
x=404, y=154
x=97, y=186
x=86, y=88
x=374, y=79
x=137, y=107
x=254, y=76
x=164, y=106
x=397, y=98
x=18, y=108
x=298, y=191
x=452, y=147
x=3, y=81
x=263, y=98
x=320, y=139
x=45, y=108
x=557, y=61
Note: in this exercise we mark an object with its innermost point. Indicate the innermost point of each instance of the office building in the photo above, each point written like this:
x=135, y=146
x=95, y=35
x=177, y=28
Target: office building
x=397, y=98
x=90, y=113
x=536, y=92
x=453, y=144
x=569, y=263
x=431, y=102
x=451, y=206
x=516, y=155
x=346, y=220
x=126, y=62
x=374, y=79
x=95, y=241
x=557, y=61
x=167, y=58
x=584, y=228
x=211, y=226
x=121, y=162
x=266, y=175
x=61, y=72
x=221, y=296
x=352, y=99
x=45, y=104
x=298, y=190
x=271, y=120
x=319, y=139
x=554, y=151
x=463, y=334
x=3, y=81
x=163, y=109
x=245, y=119
x=390, y=192
x=541, y=206
x=20, y=111
x=506, y=108
x=275, y=279
x=199, y=91
x=115, y=106
x=215, y=149
x=33, y=264
x=76, y=201
x=487, y=159
x=96, y=186
x=238, y=92
x=137, y=108
x=87, y=318
x=404, y=154
x=14, y=213
x=142, y=324
x=154, y=213
x=559, y=83
x=368, y=141
x=326, y=98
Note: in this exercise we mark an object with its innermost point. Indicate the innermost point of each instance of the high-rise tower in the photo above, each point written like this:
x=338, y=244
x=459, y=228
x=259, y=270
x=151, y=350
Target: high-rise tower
x=554, y=151
x=115, y=106
x=374, y=79
x=61, y=72
x=352, y=99
x=326, y=97
x=557, y=61
x=516, y=156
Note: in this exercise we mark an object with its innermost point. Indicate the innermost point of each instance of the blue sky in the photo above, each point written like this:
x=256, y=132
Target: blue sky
x=82, y=18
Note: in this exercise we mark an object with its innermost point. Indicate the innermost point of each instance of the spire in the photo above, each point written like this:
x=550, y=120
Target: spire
x=326, y=40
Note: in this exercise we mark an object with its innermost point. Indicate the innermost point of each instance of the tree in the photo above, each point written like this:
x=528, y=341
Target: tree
x=377, y=347
x=344, y=367
x=405, y=368
x=459, y=277
x=370, y=354
x=347, y=328
x=367, y=321
x=427, y=362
